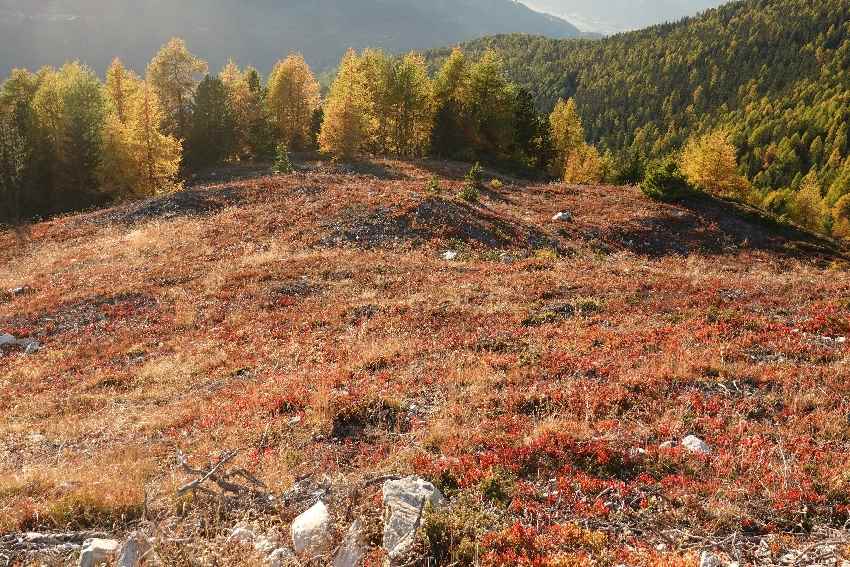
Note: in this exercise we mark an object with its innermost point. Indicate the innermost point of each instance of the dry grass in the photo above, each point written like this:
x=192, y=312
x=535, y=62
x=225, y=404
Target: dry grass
x=314, y=326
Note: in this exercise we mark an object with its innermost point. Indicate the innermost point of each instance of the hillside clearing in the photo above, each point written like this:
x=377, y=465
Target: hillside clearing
x=543, y=381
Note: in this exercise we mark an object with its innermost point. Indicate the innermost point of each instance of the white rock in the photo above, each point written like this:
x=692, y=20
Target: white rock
x=563, y=216
x=352, y=550
x=241, y=534
x=282, y=557
x=98, y=551
x=311, y=532
x=7, y=339
x=694, y=444
x=667, y=445
x=135, y=549
x=265, y=544
x=30, y=346
x=404, y=502
x=708, y=559
x=449, y=255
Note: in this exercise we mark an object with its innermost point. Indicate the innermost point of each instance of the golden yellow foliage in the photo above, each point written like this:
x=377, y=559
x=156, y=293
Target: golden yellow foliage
x=583, y=166
x=808, y=208
x=841, y=217
x=121, y=86
x=173, y=74
x=710, y=164
x=292, y=98
x=567, y=134
x=155, y=156
x=345, y=123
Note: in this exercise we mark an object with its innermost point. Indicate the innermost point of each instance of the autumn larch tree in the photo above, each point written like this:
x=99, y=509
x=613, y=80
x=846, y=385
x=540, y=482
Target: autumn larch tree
x=710, y=163
x=293, y=96
x=567, y=134
x=345, y=122
x=13, y=160
x=174, y=74
x=400, y=107
x=156, y=156
x=121, y=87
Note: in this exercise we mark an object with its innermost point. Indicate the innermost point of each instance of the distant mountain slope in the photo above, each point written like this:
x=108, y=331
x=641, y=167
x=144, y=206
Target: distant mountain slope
x=614, y=16
x=257, y=32
x=775, y=71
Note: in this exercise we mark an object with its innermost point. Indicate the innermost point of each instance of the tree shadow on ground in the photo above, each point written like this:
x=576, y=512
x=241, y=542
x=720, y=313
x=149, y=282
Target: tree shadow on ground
x=703, y=224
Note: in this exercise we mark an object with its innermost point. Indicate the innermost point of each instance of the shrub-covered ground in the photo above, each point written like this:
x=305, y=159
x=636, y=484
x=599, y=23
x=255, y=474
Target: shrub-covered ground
x=543, y=379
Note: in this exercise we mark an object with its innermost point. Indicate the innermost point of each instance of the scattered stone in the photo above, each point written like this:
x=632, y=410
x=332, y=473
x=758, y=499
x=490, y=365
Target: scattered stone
x=98, y=551
x=563, y=216
x=404, y=502
x=694, y=444
x=266, y=544
x=16, y=291
x=667, y=445
x=30, y=346
x=353, y=548
x=311, y=532
x=282, y=557
x=708, y=559
x=637, y=452
x=241, y=534
x=450, y=255
x=135, y=549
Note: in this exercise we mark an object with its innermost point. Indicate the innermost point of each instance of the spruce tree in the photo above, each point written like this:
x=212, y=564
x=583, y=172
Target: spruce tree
x=213, y=134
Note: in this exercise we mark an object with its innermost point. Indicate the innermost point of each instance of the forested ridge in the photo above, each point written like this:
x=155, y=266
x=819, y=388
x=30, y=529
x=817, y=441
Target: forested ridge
x=742, y=102
x=773, y=72
x=48, y=32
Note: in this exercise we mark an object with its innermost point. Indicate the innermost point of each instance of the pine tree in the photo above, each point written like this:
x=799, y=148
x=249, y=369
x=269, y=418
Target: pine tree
x=213, y=134
x=70, y=109
x=345, y=123
x=293, y=96
x=452, y=132
x=710, y=164
x=121, y=86
x=174, y=75
x=282, y=164
x=261, y=133
x=16, y=105
x=242, y=102
x=490, y=102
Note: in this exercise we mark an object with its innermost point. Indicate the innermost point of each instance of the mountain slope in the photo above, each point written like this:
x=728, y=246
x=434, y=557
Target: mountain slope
x=255, y=32
x=621, y=15
x=779, y=82
x=311, y=323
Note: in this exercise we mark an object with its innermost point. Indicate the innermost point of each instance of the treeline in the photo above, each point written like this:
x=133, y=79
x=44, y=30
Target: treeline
x=771, y=73
x=69, y=140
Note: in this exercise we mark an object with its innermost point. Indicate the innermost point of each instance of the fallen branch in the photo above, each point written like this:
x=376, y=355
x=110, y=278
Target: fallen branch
x=217, y=473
